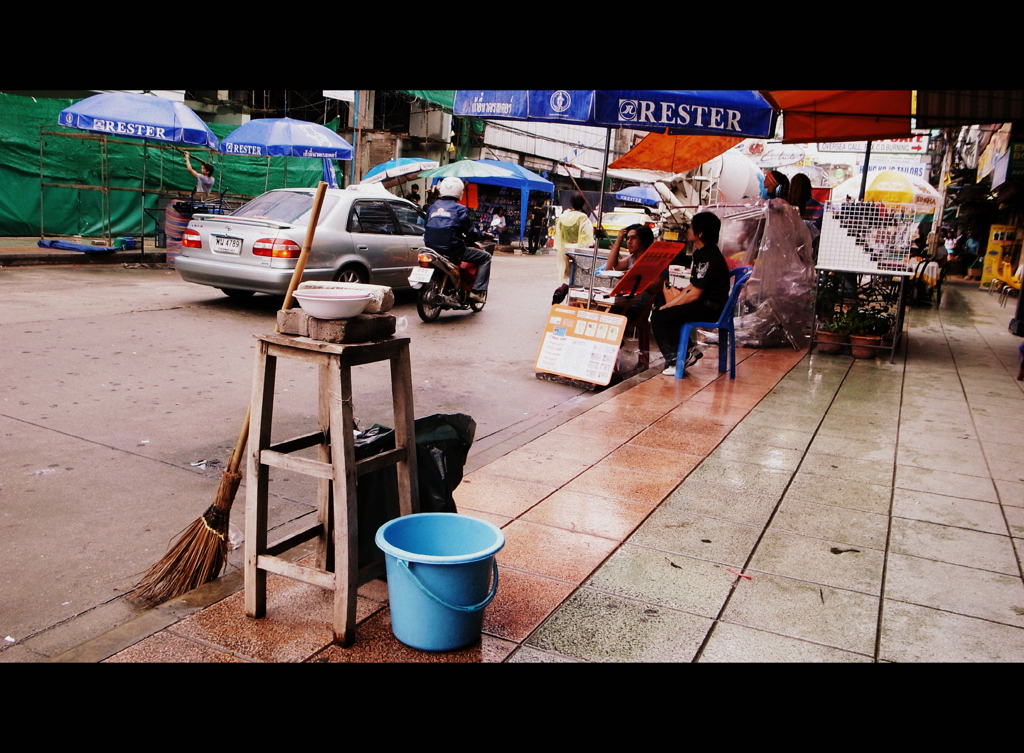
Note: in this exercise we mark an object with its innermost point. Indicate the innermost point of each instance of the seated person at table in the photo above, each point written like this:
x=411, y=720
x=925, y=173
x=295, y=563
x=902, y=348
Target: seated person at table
x=703, y=300
x=636, y=239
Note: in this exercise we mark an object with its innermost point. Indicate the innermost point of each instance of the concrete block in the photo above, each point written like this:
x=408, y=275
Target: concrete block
x=293, y=322
x=358, y=329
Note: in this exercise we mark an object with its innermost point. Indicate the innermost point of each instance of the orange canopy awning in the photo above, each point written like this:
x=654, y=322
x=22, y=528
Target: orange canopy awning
x=674, y=154
x=853, y=115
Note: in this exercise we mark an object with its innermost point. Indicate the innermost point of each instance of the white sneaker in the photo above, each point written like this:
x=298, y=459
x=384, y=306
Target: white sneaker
x=670, y=371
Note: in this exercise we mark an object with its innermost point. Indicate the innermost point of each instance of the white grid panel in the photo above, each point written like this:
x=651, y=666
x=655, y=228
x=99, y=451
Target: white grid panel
x=869, y=237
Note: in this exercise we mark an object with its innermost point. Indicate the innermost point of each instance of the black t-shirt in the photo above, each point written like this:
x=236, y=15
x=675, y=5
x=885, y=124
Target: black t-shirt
x=710, y=273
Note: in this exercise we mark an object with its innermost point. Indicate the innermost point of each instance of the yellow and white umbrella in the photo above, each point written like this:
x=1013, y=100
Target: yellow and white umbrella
x=891, y=187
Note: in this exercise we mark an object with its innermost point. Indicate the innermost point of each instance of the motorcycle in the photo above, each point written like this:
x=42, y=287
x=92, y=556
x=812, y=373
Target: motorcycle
x=442, y=284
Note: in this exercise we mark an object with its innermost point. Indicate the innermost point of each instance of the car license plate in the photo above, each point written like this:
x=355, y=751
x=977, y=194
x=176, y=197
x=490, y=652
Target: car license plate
x=224, y=245
x=421, y=274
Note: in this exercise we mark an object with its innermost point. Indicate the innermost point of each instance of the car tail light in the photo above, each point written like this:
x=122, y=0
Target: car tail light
x=278, y=249
x=424, y=260
x=191, y=239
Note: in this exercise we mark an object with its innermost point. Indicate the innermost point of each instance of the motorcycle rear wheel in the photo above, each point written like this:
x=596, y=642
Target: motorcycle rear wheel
x=478, y=305
x=427, y=304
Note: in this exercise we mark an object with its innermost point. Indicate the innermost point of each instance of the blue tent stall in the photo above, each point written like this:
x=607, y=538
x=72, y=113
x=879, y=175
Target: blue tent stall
x=522, y=179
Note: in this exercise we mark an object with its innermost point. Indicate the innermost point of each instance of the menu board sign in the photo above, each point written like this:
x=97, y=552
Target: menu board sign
x=581, y=344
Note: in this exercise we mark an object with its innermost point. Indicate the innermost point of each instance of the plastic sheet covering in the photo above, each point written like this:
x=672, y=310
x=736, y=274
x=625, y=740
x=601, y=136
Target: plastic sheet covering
x=777, y=305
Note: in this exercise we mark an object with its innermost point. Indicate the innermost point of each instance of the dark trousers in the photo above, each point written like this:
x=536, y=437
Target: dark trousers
x=667, y=325
x=533, y=235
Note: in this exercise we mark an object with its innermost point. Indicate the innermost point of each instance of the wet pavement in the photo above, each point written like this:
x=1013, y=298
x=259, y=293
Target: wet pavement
x=819, y=508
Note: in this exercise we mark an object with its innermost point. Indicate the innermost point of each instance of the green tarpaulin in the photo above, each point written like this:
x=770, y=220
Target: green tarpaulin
x=35, y=151
x=443, y=98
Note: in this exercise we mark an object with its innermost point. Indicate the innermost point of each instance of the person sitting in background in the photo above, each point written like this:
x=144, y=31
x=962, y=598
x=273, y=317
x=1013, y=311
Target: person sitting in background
x=498, y=223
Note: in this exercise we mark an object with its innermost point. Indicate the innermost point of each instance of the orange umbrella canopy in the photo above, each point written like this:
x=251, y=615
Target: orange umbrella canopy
x=674, y=154
x=812, y=116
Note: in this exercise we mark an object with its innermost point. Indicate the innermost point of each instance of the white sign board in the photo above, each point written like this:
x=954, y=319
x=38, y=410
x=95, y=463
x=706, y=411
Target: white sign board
x=912, y=145
x=348, y=95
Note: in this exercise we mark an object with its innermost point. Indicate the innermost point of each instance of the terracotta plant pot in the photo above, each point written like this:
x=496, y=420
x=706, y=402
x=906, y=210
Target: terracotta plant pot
x=829, y=342
x=859, y=345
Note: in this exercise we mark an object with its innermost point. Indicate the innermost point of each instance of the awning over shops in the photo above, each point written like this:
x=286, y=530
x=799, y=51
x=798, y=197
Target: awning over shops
x=673, y=154
x=953, y=108
x=851, y=115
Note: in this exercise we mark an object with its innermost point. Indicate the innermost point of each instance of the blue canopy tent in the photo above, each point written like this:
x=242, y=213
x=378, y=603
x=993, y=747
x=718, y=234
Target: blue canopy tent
x=522, y=179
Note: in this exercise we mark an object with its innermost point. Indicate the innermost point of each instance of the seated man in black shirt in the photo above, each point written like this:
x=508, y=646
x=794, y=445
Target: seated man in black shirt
x=702, y=300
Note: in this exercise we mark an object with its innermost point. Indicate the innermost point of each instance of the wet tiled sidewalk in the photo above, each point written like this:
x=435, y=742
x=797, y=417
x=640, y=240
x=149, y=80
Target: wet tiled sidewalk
x=818, y=508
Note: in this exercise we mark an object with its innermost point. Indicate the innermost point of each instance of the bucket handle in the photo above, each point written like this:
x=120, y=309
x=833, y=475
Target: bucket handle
x=426, y=592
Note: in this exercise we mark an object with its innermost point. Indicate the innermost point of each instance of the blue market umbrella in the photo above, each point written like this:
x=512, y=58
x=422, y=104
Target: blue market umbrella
x=286, y=137
x=139, y=116
x=645, y=194
x=744, y=114
x=739, y=113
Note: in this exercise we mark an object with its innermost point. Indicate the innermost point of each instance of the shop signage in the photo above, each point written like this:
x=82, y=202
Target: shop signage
x=912, y=145
x=1016, y=170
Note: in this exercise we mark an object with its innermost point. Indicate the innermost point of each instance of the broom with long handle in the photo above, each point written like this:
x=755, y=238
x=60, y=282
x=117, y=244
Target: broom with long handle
x=199, y=553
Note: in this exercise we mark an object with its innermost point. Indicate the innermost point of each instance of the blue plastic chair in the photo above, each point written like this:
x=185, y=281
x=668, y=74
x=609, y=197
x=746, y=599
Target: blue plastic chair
x=725, y=326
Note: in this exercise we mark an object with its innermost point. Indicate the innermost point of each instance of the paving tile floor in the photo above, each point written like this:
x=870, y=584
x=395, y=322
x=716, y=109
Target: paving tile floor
x=819, y=508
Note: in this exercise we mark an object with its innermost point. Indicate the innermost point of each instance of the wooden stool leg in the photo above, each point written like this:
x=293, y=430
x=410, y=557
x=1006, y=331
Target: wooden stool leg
x=405, y=431
x=346, y=520
x=325, y=497
x=256, y=480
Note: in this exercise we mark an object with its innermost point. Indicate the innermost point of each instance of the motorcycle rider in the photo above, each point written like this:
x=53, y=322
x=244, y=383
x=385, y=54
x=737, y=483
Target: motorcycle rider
x=450, y=229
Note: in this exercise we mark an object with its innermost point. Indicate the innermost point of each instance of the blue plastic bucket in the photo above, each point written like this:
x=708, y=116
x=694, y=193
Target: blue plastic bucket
x=441, y=574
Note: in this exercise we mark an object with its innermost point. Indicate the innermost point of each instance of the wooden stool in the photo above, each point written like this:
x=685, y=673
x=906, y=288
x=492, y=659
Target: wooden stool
x=338, y=563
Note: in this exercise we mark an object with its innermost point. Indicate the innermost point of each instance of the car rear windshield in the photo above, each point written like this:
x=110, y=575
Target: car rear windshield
x=284, y=206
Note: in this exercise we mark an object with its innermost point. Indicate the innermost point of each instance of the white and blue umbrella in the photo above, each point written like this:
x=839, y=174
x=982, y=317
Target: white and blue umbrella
x=395, y=169
x=286, y=137
x=139, y=116
x=741, y=113
x=645, y=194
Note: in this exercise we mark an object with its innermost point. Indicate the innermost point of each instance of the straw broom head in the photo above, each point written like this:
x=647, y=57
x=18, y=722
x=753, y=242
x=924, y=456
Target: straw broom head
x=199, y=554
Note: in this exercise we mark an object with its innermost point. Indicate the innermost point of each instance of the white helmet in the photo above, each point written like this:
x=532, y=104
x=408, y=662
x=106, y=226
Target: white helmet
x=452, y=187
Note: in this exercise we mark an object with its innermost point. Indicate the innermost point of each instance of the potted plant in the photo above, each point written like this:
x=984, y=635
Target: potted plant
x=867, y=327
x=833, y=334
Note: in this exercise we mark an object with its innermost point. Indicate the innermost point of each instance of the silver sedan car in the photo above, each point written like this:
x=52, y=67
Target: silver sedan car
x=359, y=238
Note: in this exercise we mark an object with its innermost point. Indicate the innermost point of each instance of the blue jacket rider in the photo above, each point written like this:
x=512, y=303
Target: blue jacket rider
x=449, y=229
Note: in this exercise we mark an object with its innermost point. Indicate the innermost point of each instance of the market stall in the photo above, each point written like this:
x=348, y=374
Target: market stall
x=517, y=195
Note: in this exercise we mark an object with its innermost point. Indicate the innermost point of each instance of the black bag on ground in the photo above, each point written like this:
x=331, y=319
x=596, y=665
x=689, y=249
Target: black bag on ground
x=442, y=446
